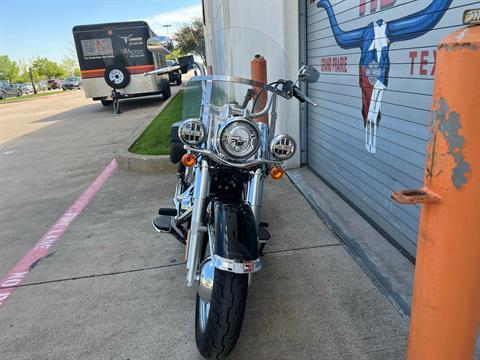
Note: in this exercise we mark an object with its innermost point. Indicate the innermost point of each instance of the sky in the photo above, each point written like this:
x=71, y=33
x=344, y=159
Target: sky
x=31, y=28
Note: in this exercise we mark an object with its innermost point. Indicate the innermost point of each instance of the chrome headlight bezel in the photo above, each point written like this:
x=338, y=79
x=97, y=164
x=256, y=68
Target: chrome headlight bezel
x=283, y=147
x=192, y=132
x=233, y=122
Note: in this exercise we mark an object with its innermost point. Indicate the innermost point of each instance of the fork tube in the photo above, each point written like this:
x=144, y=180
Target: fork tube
x=255, y=193
x=273, y=117
x=265, y=141
x=197, y=227
x=205, y=106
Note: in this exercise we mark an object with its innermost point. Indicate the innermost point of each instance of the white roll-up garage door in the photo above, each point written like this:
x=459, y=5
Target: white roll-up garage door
x=368, y=135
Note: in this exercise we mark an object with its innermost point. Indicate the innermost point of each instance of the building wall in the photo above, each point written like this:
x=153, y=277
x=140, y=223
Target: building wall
x=276, y=20
x=398, y=68
x=401, y=62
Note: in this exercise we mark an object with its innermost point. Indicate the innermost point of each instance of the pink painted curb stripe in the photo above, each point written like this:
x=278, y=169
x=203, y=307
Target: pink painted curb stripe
x=9, y=283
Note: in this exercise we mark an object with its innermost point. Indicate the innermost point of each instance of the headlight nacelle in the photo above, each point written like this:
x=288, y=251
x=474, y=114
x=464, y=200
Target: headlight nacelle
x=192, y=132
x=238, y=138
x=283, y=147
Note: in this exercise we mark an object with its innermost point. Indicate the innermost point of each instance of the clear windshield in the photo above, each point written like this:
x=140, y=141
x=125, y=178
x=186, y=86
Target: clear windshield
x=230, y=52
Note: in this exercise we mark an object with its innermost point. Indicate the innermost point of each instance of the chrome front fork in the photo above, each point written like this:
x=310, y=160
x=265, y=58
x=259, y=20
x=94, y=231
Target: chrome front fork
x=255, y=193
x=255, y=186
x=197, y=226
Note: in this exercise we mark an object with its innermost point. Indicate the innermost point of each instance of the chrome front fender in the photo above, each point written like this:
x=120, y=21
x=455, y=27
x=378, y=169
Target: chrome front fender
x=234, y=238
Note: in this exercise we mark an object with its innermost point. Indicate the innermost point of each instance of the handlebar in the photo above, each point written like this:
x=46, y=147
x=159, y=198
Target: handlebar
x=239, y=80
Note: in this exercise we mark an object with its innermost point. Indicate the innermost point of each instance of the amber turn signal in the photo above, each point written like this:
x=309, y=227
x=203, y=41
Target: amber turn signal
x=189, y=160
x=276, y=173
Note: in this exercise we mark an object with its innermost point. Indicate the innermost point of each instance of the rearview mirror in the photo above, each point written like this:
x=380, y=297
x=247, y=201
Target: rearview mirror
x=160, y=44
x=308, y=74
x=186, y=63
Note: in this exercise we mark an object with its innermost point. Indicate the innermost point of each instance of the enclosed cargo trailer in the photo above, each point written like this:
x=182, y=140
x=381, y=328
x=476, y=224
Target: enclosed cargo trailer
x=113, y=58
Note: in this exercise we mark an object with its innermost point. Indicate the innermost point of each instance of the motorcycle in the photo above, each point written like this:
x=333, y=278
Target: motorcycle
x=224, y=156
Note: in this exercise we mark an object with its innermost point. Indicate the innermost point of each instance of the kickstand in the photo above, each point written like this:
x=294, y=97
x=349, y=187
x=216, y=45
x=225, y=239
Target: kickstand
x=116, y=102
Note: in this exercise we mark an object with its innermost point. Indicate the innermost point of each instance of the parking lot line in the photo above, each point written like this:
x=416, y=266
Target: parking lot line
x=9, y=283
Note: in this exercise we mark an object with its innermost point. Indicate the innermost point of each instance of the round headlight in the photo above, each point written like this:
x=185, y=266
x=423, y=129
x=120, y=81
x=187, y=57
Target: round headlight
x=191, y=132
x=282, y=147
x=238, y=138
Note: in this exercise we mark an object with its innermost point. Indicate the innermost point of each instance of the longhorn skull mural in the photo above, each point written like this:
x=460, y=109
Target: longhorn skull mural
x=374, y=42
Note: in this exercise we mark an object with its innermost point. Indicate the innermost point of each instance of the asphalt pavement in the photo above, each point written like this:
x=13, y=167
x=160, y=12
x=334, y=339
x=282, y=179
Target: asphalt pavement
x=112, y=288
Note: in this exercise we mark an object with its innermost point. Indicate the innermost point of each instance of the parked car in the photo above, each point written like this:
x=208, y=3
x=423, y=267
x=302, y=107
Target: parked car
x=174, y=76
x=27, y=88
x=24, y=88
x=54, y=84
x=7, y=90
x=42, y=85
x=72, y=83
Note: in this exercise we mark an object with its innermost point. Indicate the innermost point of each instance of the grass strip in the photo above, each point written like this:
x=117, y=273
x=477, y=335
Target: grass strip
x=155, y=140
x=29, y=97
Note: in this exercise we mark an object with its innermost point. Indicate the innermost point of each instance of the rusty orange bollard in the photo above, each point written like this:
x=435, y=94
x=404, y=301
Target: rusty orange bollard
x=445, y=315
x=258, y=68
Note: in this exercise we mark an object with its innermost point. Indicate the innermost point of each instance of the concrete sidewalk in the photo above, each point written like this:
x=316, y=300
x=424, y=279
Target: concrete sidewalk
x=114, y=289
x=51, y=150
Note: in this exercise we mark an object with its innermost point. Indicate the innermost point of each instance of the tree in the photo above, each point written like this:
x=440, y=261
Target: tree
x=190, y=39
x=175, y=54
x=70, y=65
x=8, y=68
x=47, y=68
x=24, y=76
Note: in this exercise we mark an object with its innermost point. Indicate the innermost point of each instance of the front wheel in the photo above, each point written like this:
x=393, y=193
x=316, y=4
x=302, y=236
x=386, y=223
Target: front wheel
x=218, y=323
x=167, y=93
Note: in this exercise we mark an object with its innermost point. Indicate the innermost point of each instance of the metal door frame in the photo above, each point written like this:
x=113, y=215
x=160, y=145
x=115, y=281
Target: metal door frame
x=303, y=116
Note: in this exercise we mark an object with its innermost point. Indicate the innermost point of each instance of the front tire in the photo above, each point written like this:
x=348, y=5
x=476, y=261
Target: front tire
x=218, y=324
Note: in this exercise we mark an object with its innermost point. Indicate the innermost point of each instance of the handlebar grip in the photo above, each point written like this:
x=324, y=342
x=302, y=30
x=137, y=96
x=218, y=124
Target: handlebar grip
x=300, y=96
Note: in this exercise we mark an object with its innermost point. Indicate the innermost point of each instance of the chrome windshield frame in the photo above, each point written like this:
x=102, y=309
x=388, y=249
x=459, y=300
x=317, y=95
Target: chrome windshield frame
x=209, y=79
